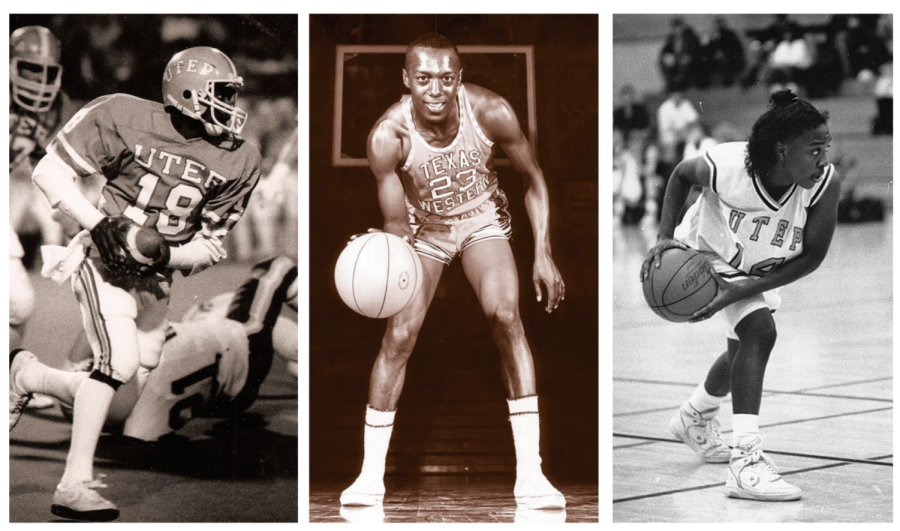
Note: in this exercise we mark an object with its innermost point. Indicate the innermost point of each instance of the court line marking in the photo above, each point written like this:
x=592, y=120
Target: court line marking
x=871, y=461
x=722, y=484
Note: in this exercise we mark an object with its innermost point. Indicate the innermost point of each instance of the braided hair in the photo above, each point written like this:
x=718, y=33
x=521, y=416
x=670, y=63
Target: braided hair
x=432, y=41
x=787, y=117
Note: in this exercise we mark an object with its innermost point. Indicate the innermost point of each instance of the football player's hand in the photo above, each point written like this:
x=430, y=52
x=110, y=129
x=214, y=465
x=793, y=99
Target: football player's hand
x=127, y=248
x=654, y=253
x=546, y=274
x=110, y=241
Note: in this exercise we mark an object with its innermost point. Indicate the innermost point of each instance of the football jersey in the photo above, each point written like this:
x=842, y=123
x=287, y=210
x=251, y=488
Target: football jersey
x=155, y=176
x=30, y=132
x=201, y=360
x=736, y=217
x=451, y=180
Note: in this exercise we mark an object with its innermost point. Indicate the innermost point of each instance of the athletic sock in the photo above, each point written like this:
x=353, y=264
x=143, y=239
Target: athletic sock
x=89, y=413
x=38, y=378
x=743, y=426
x=703, y=401
x=379, y=426
x=525, y=421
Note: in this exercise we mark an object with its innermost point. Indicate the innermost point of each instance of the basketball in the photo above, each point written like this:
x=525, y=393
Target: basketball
x=378, y=275
x=681, y=285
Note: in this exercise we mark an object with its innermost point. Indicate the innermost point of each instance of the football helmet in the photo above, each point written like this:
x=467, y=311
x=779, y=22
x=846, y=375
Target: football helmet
x=35, y=75
x=203, y=83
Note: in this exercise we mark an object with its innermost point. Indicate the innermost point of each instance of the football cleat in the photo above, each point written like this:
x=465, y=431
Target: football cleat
x=536, y=492
x=700, y=430
x=82, y=502
x=39, y=401
x=18, y=397
x=753, y=476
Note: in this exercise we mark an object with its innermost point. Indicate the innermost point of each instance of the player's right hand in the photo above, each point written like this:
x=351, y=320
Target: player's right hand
x=109, y=240
x=653, y=255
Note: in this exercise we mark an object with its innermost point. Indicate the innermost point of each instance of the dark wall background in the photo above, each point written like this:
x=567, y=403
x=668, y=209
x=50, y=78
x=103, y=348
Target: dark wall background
x=452, y=416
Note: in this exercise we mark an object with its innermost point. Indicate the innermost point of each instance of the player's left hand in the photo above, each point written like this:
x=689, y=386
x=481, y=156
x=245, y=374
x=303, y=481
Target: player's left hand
x=728, y=293
x=545, y=273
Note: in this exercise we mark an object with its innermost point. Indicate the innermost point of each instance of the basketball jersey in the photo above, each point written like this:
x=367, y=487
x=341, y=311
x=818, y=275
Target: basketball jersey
x=155, y=176
x=736, y=218
x=451, y=180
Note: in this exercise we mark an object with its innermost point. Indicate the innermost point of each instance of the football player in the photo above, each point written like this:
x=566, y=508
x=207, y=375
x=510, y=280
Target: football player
x=178, y=168
x=35, y=113
x=214, y=360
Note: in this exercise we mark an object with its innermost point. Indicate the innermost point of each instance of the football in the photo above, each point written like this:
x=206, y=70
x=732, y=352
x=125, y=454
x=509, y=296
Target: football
x=146, y=245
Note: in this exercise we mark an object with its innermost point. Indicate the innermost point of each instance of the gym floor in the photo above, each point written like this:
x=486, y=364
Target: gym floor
x=827, y=408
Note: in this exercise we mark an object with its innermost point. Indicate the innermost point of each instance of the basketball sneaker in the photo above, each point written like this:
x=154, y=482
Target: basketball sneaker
x=18, y=397
x=700, y=430
x=753, y=476
x=366, y=491
x=535, y=492
x=82, y=502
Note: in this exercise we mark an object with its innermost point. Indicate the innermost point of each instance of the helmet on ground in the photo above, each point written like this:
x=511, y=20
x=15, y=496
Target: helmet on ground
x=203, y=83
x=35, y=74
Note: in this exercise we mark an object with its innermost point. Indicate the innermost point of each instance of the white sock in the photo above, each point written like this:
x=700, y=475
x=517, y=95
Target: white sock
x=379, y=426
x=525, y=420
x=39, y=378
x=91, y=407
x=743, y=426
x=703, y=401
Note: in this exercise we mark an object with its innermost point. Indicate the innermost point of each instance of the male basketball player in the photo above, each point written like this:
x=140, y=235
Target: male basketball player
x=178, y=168
x=431, y=154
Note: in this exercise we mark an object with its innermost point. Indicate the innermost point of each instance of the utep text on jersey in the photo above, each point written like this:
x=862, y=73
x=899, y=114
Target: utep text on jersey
x=155, y=176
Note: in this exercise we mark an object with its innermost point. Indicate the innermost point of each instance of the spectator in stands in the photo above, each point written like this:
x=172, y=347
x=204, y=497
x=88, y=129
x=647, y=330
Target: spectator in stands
x=673, y=117
x=697, y=140
x=866, y=51
x=883, y=124
x=631, y=114
x=725, y=53
x=762, y=44
x=789, y=63
x=627, y=188
x=679, y=56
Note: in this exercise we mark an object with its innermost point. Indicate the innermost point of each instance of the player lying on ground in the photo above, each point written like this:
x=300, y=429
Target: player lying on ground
x=765, y=218
x=214, y=359
x=181, y=172
x=431, y=154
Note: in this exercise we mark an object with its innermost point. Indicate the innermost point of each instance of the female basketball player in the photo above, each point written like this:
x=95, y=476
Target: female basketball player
x=764, y=219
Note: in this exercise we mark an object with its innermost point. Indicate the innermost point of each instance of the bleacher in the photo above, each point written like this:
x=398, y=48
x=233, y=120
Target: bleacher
x=850, y=123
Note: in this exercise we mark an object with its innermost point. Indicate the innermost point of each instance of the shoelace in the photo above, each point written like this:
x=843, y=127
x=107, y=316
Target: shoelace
x=20, y=404
x=757, y=457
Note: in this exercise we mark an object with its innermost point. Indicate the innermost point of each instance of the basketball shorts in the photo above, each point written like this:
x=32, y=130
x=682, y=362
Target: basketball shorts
x=443, y=238
x=732, y=315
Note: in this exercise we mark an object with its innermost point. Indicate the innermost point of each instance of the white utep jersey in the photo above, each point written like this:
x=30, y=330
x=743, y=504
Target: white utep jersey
x=451, y=180
x=201, y=360
x=737, y=219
